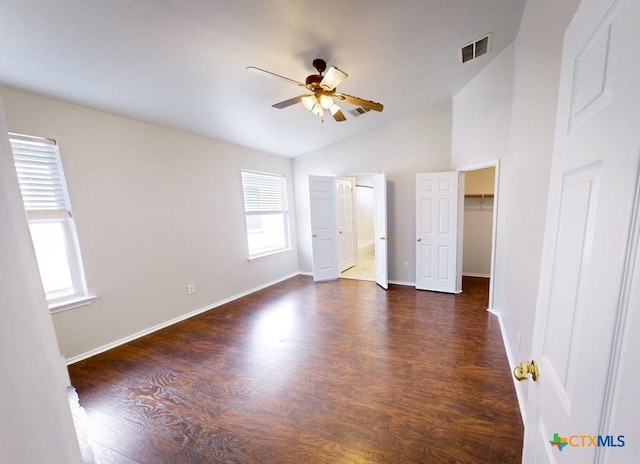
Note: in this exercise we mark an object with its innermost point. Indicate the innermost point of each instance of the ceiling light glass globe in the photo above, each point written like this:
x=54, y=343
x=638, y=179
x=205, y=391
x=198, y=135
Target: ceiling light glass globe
x=326, y=101
x=318, y=111
x=309, y=101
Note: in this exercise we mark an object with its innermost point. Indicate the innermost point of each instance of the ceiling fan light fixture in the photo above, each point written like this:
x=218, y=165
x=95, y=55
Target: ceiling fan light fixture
x=309, y=101
x=333, y=77
x=312, y=103
x=321, y=92
x=326, y=102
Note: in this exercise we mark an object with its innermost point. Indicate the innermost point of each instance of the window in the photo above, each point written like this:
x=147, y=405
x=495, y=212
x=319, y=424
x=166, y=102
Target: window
x=53, y=233
x=267, y=213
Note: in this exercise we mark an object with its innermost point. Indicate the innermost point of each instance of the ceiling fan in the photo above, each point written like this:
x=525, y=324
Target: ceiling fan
x=323, y=94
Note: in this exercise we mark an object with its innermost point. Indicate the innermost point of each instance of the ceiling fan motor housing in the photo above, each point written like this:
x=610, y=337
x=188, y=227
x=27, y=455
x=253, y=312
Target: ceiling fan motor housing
x=313, y=80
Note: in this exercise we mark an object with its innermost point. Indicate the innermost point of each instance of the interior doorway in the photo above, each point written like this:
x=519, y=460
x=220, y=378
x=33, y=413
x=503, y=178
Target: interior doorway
x=478, y=214
x=364, y=237
x=327, y=231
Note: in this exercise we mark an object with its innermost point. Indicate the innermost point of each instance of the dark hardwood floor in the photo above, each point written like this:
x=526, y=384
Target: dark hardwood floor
x=336, y=372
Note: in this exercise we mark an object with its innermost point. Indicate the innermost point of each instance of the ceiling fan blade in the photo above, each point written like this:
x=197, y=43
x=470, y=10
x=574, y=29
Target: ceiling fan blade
x=375, y=106
x=332, y=78
x=287, y=103
x=269, y=73
x=338, y=116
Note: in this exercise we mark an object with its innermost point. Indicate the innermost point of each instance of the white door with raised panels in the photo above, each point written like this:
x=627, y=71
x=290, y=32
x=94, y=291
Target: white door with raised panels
x=586, y=358
x=437, y=199
x=346, y=230
x=324, y=243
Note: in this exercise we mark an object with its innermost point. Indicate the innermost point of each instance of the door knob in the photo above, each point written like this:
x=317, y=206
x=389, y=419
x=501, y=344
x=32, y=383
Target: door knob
x=340, y=232
x=523, y=370
x=313, y=235
x=419, y=239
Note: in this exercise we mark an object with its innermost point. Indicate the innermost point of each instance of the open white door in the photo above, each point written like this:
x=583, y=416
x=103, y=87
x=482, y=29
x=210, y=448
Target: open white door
x=345, y=217
x=324, y=244
x=590, y=246
x=382, y=266
x=437, y=232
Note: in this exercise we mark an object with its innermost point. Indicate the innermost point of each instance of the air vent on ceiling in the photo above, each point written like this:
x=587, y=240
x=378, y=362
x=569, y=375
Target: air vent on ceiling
x=359, y=111
x=475, y=49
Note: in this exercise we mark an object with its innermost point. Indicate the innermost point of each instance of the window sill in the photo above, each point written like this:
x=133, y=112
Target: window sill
x=71, y=303
x=266, y=255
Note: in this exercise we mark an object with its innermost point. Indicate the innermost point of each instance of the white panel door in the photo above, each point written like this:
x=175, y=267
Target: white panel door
x=322, y=194
x=345, y=217
x=437, y=232
x=591, y=236
x=380, y=192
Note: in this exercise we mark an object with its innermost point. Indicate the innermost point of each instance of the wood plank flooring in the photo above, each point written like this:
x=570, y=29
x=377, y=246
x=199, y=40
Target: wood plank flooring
x=335, y=372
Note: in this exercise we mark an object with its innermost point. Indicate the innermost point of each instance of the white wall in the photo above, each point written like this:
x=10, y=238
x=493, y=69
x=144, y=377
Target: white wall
x=156, y=209
x=478, y=225
x=36, y=420
x=417, y=143
x=508, y=112
x=523, y=195
x=482, y=114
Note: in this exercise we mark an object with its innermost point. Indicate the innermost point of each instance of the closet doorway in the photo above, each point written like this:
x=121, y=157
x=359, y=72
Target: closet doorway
x=479, y=223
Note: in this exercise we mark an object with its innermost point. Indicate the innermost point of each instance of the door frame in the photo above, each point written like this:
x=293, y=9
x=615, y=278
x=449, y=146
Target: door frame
x=494, y=235
x=381, y=230
x=349, y=175
x=354, y=176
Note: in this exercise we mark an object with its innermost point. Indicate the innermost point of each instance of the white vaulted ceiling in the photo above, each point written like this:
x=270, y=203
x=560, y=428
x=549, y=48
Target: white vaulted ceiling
x=181, y=64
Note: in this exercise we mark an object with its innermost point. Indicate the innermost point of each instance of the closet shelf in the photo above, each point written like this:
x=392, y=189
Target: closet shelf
x=479, y=195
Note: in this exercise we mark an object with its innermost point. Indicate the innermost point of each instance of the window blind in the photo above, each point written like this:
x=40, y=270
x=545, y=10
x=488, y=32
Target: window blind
x=264, y=193
x=40, y=176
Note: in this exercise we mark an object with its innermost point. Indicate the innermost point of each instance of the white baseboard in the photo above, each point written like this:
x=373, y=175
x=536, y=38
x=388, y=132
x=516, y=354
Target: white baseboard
x=512, y=362
x=366, y=249
x=142, y=333
x=476, y=274
x=401, y=282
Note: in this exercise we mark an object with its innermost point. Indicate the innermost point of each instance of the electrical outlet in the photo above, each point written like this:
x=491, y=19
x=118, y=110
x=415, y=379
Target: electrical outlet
x=406, y=265
x=191, y=289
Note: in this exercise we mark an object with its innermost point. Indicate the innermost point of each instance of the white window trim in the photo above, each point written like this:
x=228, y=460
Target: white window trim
x=284, y=211
x=65, y=304
x=267, y=255
x=81, y=296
